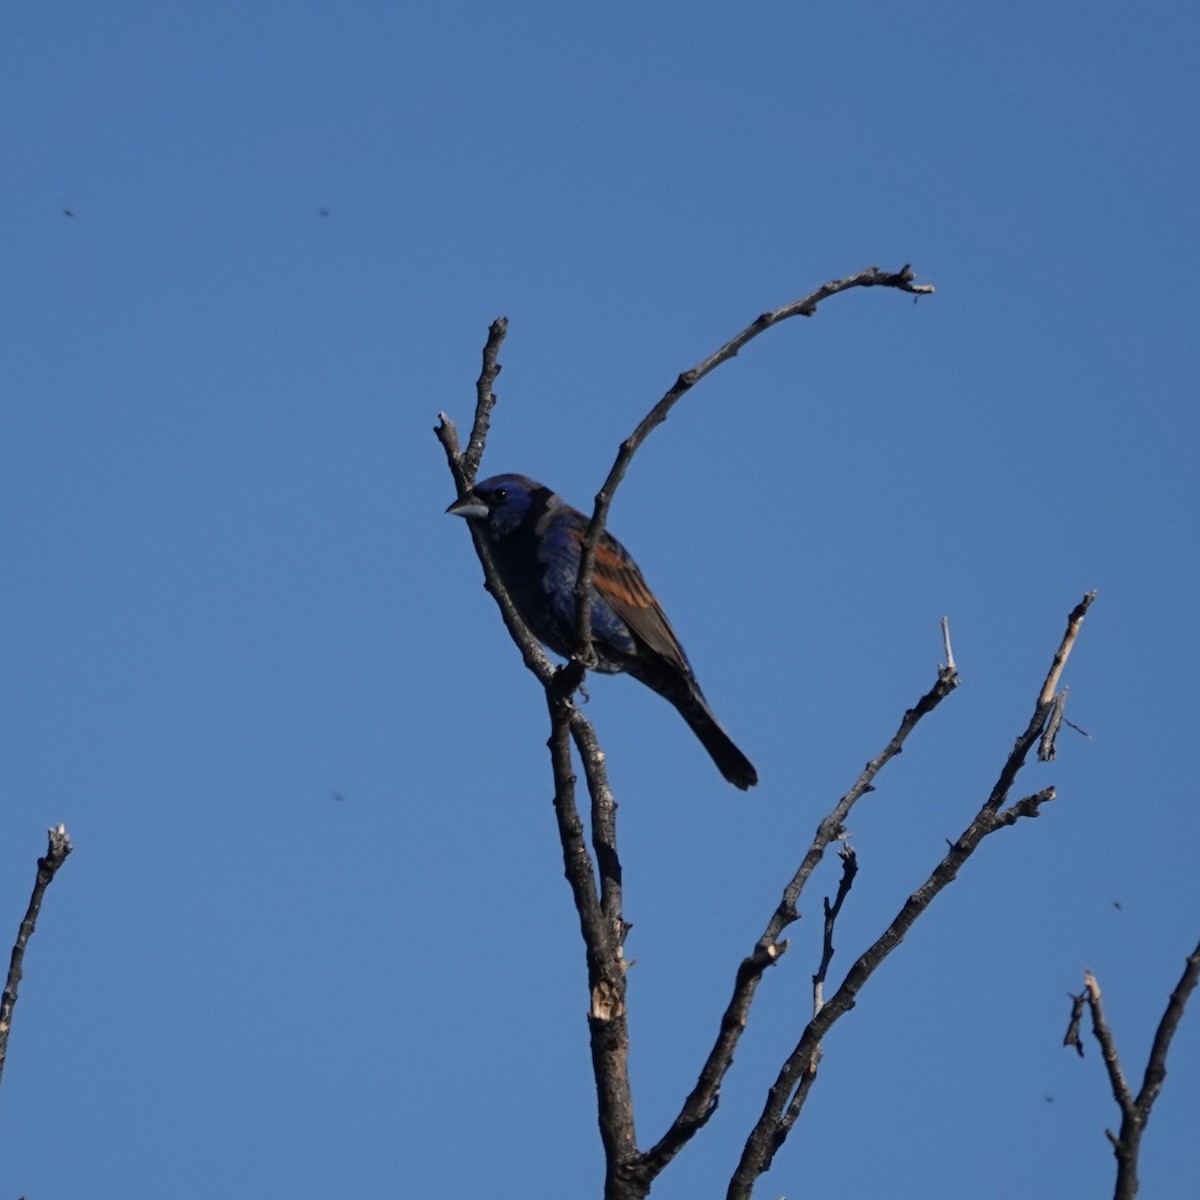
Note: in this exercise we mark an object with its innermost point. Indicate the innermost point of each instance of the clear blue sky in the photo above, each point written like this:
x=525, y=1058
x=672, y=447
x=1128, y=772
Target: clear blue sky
x=315, y=939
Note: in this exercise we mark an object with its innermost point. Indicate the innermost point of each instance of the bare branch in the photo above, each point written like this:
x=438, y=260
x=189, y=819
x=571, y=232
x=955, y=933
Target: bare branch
x=596, y=882
x=806, y=306
x=485, y=398
x=946, y=642
x=1053, y=725
x=786, y=1096
x=1074, y=621
x=849, y=871
x=1050, y=693
x=604, y=825
x=463, y=467
x=58, y=847
x=1016, y=760
x=701, y=1103
x=1108, y=1047
x=596, y=885
x=1071, y=1037
x=597, y=903
x=602, y=936
x=1135, y=1110
x=1156, y=1067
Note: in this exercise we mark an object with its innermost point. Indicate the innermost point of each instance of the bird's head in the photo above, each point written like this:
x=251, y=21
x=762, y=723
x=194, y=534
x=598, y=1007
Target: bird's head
x=502, y=502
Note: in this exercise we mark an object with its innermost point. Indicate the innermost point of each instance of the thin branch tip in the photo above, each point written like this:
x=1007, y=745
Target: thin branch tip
x=59, y=843
x=946, y=644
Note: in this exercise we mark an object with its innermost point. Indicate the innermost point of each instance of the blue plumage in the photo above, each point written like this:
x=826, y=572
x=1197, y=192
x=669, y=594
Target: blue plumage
x=535, y=538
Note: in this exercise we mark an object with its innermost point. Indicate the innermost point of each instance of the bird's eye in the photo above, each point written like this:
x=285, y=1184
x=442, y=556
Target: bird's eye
x=499, y=496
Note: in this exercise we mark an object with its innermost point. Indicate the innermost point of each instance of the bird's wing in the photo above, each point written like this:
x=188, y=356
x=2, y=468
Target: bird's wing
x=619, y=583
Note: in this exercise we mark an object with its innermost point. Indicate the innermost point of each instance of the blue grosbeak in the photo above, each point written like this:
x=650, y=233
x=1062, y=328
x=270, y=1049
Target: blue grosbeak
x=535, y=539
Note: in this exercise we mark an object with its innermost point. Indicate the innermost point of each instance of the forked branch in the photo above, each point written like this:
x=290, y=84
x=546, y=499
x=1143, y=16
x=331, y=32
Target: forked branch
x=1135, y=1110
x=786, y=1096
x=771, y=946
x=596, y=881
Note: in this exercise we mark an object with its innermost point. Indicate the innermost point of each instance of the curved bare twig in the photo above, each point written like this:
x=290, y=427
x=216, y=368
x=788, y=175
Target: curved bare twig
x=806, y=306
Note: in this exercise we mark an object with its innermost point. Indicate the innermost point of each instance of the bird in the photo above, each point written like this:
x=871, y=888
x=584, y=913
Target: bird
x=535, y=538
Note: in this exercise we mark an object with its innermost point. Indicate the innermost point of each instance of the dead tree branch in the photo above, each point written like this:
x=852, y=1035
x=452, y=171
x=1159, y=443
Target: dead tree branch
x=463, y=467
x=832, y=909
x=701, y=1103
x=596, y=881
x=1135, y=1110
x=806, y=306
x=594, y=874
x=790, y=1089
x=56, y=854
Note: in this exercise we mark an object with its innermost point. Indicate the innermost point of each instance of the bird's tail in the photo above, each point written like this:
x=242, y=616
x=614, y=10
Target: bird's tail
x=731, y=762
x=685, y=694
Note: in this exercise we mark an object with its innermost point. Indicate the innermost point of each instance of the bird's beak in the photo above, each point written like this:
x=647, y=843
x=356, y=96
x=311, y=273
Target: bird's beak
x=469, y=506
